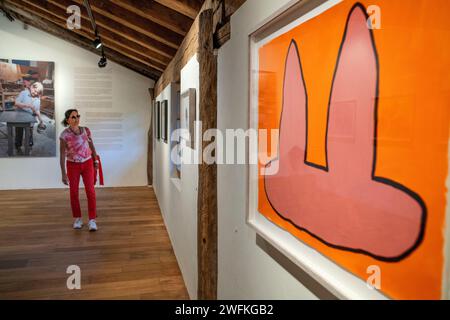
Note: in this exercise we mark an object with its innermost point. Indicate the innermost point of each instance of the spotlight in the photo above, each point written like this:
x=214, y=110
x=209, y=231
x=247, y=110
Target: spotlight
x=97, y=43
x=103, y=62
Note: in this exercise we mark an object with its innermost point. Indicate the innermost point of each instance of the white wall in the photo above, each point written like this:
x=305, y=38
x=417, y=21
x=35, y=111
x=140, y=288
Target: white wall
x=126, y=167
x=178, y=199
x=245, y=270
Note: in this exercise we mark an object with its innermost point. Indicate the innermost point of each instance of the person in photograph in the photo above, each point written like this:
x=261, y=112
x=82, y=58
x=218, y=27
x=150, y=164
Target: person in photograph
x=29, y=100
x=29, y=78
x=77, y=147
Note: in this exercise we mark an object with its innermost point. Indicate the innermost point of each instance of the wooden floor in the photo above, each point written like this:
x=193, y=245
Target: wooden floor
x=130, y=257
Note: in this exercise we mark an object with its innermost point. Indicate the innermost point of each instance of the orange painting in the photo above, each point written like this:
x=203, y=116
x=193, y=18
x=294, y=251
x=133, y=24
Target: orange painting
x=361, y=161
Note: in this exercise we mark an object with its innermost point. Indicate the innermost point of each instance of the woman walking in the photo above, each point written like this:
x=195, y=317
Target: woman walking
x=77, y=146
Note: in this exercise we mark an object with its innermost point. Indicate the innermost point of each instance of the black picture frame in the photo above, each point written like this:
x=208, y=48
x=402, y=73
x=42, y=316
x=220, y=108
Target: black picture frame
x=164, y=121
x=158, y=120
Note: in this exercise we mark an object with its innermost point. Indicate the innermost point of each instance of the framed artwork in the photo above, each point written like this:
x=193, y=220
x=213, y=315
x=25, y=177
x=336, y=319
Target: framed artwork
x=189, y=115
x=154, y=118
x=345, y=188
x=27, y=108
x=158, y=120
x=175, y=139
x=164, y=121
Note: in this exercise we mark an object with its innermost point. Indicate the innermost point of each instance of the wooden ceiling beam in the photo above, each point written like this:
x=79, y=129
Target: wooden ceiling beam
x=47, y=11
x=86, y=32
x=132, y=20
x=133, y=46
x=223, y=11
x=155, y=36
x=190, y=45
x=189, y=8
x=149, y=40
x=156, y=12
x=77, y=39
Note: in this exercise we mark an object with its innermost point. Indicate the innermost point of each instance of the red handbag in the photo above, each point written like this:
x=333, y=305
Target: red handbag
x=98, y=172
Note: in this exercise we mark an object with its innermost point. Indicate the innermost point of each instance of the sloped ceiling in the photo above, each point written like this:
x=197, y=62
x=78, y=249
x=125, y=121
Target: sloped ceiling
x=138, y=34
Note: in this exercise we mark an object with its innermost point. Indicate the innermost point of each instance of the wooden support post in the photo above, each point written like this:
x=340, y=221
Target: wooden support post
x=207, y=184
x=151, y=91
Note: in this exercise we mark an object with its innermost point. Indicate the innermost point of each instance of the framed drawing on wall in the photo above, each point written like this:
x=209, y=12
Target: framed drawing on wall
x=154, y=119
x=158, y=120
x=341, y=203
x=164, y=121
x=189, y=115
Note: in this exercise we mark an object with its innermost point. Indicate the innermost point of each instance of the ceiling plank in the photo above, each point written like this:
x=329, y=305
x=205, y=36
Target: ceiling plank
x=130, y=19
x=160, y=38
x=78, y=40
x=158, y=13
x=189, y=8
x=26, y=5
x=133, y=46
x=45, y=10
x=148, y=40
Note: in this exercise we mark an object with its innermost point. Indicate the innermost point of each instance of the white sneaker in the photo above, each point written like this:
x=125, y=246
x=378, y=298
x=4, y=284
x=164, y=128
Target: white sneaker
x=78, y=224
x=92, y=225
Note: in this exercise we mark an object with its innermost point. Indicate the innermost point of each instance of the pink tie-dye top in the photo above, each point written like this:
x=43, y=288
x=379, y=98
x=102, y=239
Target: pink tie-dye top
x=77, y=146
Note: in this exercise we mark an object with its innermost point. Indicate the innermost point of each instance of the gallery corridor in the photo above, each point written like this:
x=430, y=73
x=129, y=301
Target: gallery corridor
x=130, y=257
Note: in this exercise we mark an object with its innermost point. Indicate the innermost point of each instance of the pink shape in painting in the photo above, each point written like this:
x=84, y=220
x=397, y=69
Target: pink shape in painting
x=343, y=204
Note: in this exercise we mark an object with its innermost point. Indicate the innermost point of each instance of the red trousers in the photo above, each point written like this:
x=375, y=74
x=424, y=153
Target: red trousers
x=85, y=170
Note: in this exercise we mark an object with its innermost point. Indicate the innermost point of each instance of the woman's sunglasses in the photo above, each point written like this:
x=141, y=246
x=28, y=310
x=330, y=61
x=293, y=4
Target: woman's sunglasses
x=75, y=117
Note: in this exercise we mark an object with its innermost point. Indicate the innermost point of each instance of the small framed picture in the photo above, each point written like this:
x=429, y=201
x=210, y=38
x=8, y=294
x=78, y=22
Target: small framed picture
x=158, y=120
x=189, y=115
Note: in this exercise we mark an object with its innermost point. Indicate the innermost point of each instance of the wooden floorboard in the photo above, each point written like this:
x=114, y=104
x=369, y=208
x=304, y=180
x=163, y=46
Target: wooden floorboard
x=130, y=257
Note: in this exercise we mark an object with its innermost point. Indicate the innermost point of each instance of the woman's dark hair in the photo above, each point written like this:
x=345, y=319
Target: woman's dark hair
x=65, y=123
